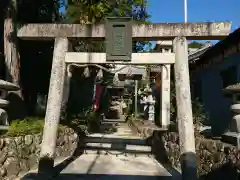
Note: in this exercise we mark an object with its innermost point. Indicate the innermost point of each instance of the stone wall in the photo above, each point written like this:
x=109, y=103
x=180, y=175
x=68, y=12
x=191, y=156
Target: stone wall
x=215, y=160
x=20, y=154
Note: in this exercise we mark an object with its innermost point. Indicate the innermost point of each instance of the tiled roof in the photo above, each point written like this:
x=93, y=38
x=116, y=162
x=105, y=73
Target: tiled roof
x=233, y=38
x=207, y=53
x=198, y=53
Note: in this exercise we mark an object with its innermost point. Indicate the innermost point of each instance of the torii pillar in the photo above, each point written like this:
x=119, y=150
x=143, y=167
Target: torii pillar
x=184, y=110
x=54, y=103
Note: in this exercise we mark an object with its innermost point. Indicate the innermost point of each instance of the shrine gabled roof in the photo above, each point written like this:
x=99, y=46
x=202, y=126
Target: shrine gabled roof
x=231, y=39
x=133, y=70
x=207, y=54
x=198, y=53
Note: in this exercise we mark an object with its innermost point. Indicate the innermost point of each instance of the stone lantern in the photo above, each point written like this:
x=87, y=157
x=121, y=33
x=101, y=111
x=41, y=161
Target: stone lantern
x=115, y=109
x=148, y=102
x=143, y=101
x=151, y=108
x=233, y=135
x=4, y=88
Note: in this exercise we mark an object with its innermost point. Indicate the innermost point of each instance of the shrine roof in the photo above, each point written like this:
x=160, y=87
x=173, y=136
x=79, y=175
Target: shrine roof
x=133, y=70
x=233, y=38
x=207, y=55
x=196, y=55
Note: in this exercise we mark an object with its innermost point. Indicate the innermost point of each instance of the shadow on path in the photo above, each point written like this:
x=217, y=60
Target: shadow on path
x=104, y=177
x=117, y=144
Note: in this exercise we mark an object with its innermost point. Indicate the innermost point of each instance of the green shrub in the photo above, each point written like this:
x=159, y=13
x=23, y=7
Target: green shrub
x=25, y=126
x=29, y=125
x=87, y=119
x=199, y=114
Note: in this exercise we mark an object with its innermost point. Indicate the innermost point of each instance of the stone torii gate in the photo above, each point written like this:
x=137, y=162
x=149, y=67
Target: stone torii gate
x=178, y=32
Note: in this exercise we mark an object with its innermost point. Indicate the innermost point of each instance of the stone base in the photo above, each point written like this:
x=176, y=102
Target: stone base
x=152, y=124
x=232, y=138
x=3, y=117
x=147, y=122
x=165, y=128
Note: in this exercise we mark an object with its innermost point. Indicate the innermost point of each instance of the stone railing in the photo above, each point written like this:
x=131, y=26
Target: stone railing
x=20, y=154
x=215, y=159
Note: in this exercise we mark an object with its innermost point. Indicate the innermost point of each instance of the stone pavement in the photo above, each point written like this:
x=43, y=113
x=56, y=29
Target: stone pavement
x=100, y=166
x=120, y=155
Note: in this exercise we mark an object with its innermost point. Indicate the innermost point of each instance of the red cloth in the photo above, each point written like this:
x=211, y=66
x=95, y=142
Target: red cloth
x=98, y=93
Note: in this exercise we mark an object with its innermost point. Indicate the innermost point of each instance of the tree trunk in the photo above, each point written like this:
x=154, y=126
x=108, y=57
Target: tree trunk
x=12, y=60
x=10, y=46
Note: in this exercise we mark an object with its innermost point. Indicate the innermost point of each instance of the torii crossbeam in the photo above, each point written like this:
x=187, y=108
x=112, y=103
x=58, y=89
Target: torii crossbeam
x=160, y=31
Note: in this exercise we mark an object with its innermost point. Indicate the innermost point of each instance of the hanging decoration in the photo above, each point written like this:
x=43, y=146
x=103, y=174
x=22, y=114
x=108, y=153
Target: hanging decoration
x=100, y=74
x=115, y=78
x=129, y=72
x=86, y=72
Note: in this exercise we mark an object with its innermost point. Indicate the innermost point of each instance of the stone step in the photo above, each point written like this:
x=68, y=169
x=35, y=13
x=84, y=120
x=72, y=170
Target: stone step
x=118, y=135
x=117, y=148
x=119, y=142
x=112, y=120
x=109, y=167
x=114, y=135
x=115, y=140
x=110, y=123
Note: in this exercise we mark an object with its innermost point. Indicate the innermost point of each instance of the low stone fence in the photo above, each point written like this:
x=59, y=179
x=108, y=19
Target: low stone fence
x=215, y=159
x=20, y=154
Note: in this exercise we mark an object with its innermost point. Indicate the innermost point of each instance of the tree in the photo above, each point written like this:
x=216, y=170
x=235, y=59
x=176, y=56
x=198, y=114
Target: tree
x=94, y=11
x=195, y=44
x=36, y=56
x=18, y=12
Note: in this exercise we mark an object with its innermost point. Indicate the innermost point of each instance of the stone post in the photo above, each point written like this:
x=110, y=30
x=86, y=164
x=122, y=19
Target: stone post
x=136, y=99
x=55, y=95
x=151, y=109
x=143, y=101
x=67, y=81
x=66, y=90
x=184, y=110
x=165, y=96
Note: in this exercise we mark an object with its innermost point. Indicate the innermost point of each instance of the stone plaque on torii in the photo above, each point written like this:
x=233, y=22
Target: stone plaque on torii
x=178, y=32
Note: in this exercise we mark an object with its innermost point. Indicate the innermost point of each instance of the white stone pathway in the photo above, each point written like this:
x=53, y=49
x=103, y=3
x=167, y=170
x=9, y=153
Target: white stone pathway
x=104, y=159
x=128, y=166
x=94, y=166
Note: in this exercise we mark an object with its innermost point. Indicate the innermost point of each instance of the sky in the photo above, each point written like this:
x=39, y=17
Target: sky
x=198, y=11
